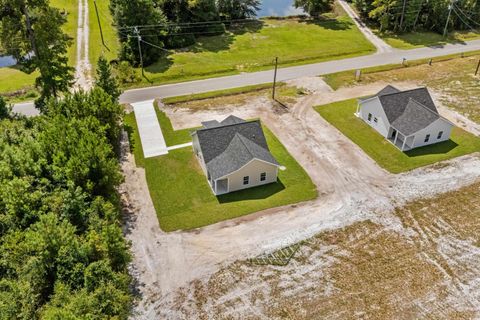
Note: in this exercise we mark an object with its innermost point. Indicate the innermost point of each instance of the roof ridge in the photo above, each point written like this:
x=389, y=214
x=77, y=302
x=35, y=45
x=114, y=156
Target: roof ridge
x=228, y=125
x=423, y=106
x=399, y=92
x=240, y=138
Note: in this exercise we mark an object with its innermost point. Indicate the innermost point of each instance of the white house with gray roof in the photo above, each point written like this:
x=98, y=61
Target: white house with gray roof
x=234, y=155
x=408, y=119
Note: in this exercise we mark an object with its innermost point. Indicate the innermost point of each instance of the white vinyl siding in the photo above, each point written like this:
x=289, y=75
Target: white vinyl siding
x=433, y=130
x=253, y=170
x=372, y=113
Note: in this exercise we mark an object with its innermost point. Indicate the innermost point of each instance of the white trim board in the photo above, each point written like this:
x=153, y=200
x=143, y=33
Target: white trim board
x=151, y=136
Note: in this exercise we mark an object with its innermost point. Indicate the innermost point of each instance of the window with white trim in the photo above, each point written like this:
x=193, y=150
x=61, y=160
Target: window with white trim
x=263, y=176
x=375, y=120
x=427, y=138
x=246, y=180
x=440, y=134
x=369, y=117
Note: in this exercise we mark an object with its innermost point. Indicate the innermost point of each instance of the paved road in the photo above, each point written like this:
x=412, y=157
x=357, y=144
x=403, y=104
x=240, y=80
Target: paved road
x=315, y=69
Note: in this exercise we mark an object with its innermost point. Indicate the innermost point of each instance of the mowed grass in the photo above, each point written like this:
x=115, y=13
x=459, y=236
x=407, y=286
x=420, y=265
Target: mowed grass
x=181, y=194
x=12, y=79
x=96, y=48
x=412, y=40
x=341, y=115
x=253, y=47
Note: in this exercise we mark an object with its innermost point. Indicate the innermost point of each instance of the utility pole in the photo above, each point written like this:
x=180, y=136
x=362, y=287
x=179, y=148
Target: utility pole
x=450, y=8
x=139, y=38
x=99, y=24
x=275, y=78
x=403, y=14
x=478, y=67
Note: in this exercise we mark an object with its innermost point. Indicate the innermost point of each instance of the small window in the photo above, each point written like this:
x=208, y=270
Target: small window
x=263, y=176
x=375, y=120
x=369, y=117
x=246, y=180
x=427, y=138
x=440, y=134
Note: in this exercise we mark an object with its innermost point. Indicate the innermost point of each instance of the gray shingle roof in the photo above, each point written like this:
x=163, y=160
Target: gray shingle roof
x=239, y=152
x=414, y=118
x=210, y=124
x=387, y=90
x=394, y=104
x=232, y=144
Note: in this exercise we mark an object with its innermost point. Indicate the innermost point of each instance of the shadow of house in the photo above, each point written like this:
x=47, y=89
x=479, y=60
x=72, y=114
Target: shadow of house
x=256, y=193
x=439, y=148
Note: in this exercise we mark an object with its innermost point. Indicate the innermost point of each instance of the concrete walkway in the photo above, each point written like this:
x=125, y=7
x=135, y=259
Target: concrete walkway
x=151, y=135
x=153, y=142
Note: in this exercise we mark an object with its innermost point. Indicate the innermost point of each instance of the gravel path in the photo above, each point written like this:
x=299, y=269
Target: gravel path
x=381, y=45
x=83, y=69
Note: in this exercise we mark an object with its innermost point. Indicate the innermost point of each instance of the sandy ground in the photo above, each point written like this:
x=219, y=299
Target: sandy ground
x=352, y=189
x=83, y=69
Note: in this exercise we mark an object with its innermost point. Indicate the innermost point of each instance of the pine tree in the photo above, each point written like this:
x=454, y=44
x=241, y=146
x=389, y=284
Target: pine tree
x=106, y=80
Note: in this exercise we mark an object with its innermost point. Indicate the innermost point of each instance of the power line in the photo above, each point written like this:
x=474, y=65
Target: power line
x=457, y=8
x=466, y=23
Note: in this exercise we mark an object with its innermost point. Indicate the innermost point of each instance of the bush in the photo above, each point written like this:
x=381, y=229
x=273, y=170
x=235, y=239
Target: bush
x=126, y=73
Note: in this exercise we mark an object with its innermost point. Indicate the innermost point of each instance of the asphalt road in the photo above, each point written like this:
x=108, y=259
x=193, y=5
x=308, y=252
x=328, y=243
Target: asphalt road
x=316, y=69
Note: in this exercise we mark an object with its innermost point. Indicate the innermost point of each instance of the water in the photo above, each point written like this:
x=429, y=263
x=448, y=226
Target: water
x=279, y=8
x=7, y=61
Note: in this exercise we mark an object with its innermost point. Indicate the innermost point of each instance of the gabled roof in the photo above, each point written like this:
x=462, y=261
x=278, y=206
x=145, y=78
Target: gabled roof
x=239, y=152
x=232, y=143
x=387, y=90
x=414, y=118
x=229, y=120
x=394, y=104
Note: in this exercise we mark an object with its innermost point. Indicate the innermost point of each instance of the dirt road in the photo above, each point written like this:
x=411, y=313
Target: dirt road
x=83, y=69
x=352, y=188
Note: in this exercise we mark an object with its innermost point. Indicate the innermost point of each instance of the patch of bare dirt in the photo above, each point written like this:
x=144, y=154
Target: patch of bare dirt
x=430, y=268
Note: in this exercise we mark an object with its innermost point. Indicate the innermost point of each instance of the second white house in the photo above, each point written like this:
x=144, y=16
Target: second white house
x=409, y=119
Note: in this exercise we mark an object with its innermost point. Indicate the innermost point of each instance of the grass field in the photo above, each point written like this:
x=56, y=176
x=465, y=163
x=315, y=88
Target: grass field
x=12, y=79
x=253, y=48
x=109, y=33
x=414, y=40
x=341, y=115
x=181, y=194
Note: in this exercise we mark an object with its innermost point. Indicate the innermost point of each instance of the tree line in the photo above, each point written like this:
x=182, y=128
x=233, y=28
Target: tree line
x=411, y=15
x=62, y=250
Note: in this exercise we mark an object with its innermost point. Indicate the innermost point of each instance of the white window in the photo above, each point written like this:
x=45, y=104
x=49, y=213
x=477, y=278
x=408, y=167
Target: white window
x=246, y=180
x=427, y=138
x=369, y=117
x=440, y=134
x=263, y=176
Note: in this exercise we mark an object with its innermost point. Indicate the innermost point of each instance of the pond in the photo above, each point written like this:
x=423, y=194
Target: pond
x=279, y=8
x=7, y=61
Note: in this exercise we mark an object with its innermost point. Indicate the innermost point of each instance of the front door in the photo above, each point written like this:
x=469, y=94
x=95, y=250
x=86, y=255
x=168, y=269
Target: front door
x=394, y=134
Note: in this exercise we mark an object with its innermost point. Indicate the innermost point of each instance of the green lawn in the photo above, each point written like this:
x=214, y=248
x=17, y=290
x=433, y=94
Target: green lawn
x=109, y=33
x=341, y=115
x=413, y=40
x=12, y=79
x=181, y=194
x=254, y=48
